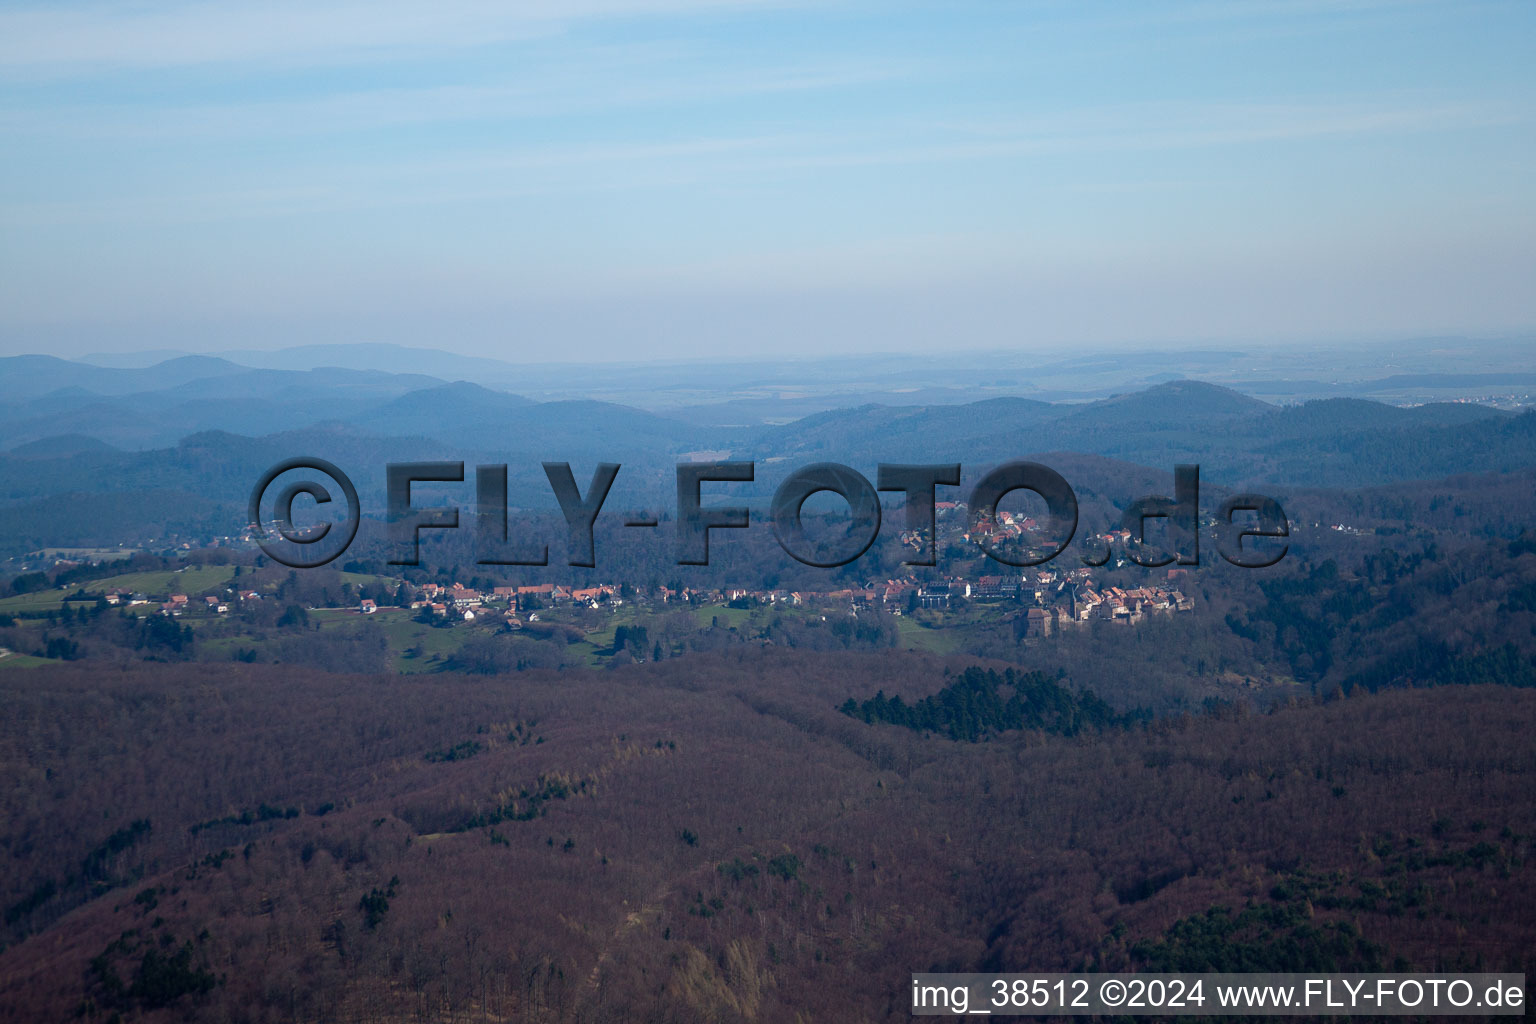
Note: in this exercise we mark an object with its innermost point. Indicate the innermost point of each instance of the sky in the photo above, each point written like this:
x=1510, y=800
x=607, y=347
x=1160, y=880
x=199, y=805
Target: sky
x=600, y=180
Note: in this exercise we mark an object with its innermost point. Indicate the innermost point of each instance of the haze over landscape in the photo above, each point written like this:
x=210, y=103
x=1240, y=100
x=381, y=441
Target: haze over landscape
x=597, y=181
x=1250, y=280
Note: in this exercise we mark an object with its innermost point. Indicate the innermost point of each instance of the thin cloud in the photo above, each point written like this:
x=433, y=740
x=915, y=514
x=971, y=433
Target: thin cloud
x=563, y=92
x=106, y=36
x=514, y=171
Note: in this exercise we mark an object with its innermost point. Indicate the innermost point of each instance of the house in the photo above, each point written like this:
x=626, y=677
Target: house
x=367, y=607
x=997, y=588
x=1122, y=612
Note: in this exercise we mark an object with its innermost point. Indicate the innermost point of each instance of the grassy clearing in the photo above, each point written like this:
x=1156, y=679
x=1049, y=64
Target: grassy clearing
x=403, y=633
x=917, y=636
x=156, y=585
x=50, y=600
x=729, y=617
x=191, y=580
x=13, y=660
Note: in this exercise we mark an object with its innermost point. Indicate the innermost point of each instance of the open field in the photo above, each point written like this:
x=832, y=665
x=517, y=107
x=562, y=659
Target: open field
x=157, y=585
x=920, y=636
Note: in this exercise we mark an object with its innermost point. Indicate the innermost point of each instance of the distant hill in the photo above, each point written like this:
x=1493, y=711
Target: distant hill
x=1142, y=427
x=896, y=433
x=377, y=356
x=477, y=418
x=777, y=410
x=60, y=444
x=1350, y=414
x=1417, y=452
x=169, y=406
x=132, y=360
x=34, y=376
x=1234, y=438
x=1176, y=402
x=213, y=439
x=439, y=410
x=287, y=384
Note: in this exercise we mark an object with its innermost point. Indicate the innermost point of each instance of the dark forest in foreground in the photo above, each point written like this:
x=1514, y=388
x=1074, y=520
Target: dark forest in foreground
x=712, y=839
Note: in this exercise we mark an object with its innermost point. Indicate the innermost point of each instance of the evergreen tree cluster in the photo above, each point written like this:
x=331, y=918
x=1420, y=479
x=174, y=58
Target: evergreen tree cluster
x=981, y=702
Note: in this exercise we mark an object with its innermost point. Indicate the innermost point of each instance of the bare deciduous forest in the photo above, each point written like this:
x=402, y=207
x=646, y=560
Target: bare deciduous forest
x=713, y=839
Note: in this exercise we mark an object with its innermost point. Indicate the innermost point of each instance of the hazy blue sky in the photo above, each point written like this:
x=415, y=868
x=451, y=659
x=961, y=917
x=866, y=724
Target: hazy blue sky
x=617, y=178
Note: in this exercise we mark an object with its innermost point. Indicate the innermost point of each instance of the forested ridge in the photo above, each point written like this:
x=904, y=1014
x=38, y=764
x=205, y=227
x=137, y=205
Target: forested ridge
x=713, y=839
x=69, y=481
